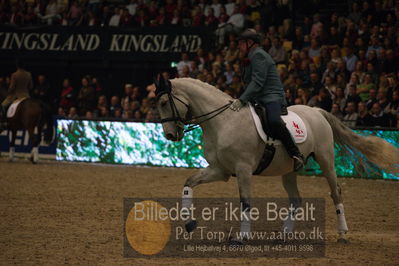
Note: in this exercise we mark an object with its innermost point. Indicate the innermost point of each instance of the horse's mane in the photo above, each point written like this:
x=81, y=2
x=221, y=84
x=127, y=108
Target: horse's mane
x=203, y=85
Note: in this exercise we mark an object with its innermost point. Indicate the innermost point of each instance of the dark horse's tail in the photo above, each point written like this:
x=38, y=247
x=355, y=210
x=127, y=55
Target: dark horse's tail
x=48, y=120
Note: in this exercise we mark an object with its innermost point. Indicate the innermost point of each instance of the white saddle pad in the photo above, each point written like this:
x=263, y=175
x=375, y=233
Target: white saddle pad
x=293, y=122
x=13, y=107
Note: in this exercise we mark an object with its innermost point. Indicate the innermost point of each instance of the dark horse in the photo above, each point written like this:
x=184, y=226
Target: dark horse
x=31, y=115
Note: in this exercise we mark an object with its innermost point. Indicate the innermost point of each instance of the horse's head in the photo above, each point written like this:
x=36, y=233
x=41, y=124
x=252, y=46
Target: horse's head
x=173, y=109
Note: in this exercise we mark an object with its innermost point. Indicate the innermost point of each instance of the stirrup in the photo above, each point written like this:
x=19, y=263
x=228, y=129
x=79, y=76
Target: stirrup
x=299, y=162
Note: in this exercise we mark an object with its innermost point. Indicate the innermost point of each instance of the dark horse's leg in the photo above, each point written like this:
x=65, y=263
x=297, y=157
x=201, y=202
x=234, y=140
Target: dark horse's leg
x=35, y=138
x=11, y=153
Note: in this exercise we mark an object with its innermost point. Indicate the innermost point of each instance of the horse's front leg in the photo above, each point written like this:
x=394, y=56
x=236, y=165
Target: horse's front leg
x=206, y=175
x=12, y=145
x=244, y=174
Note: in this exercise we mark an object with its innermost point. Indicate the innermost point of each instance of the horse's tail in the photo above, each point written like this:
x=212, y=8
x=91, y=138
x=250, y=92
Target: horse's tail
x=48, y=120
x=365, y=150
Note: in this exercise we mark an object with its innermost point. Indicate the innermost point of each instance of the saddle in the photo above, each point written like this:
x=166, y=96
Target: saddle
x=293, y=122
x=14, y=106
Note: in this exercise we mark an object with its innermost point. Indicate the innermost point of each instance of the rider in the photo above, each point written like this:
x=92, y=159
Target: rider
x=20, y=84
x=264, y=87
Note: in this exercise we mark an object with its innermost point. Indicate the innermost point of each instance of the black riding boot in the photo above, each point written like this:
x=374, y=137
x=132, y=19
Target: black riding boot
x=292, y=149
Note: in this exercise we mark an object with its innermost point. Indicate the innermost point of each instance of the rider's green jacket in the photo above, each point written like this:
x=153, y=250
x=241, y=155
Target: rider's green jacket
x=262, y=81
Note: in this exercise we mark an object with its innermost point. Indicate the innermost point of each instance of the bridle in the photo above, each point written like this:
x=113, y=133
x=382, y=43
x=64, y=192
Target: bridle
x=180, y=121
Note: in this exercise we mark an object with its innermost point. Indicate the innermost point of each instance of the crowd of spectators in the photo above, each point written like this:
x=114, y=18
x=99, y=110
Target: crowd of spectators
x=346, y=64
x=127, y=13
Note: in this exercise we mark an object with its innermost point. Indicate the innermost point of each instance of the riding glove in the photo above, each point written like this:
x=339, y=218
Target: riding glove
x=236, y=105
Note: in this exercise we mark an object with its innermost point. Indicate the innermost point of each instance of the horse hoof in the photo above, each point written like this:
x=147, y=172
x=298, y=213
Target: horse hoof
x=32, y=160
x=190, y=226
x=343, y=241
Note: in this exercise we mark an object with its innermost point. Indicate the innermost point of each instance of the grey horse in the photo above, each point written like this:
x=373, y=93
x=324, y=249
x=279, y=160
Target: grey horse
x=232, y=145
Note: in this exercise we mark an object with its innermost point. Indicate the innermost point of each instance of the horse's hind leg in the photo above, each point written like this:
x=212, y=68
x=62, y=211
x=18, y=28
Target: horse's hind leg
x=291, y=187
x=12, y=145
x=34, y=136
x=326, y=161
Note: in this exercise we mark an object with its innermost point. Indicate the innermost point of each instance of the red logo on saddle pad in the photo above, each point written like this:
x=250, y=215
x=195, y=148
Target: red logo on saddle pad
x=298, y=132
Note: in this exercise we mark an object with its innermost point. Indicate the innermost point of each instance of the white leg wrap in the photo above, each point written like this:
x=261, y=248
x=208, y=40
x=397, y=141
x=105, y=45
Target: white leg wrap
x=187, y=197
x=11, y=153
x=342, y=226
x=245, y=228
x=289, y=224
x=35, y=154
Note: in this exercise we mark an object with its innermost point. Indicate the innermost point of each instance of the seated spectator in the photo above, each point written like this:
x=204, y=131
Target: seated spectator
x=61, y=112
x=106, y=16
x=90, y=19
x=372, y=99
x=102, y=103
x=125, y=19
x=392, y=109
x=351, y=116
x=322, y=100
x=134, y=106
x=330, y=86
x=127, y=92
x=298, y=101
x=314, y=84
x=236, y=85
x=116, y=18
x=16, y=17
x=340, y=99
x=210, y=19
x=151, y=115
x=145, y=105
x=303, y=94
x=132, y=7
x=329, y=72
x=232, y=52
x=183, y=62
x=382, y=99
x=363, y=89
x=352, y=96
x=73, y=113
x=75, y=14
x=176, y=19
x=314, y=50
x=103, y=112
x=89, y=115
x=138, y=115
x=52, y=13
x=30, y=17
x=185, y=72
x=374, y=46
x=95, y=83
x=136, y=94
x=67, y=98
x=41, y=90
x=228, y=73
x=350, y=60
x=194, y=70
x=86, y=97
x=377, y=117
x=336, y=112
x=277, y=52
x=223, y=17
x=235, y=24
x=117, y=113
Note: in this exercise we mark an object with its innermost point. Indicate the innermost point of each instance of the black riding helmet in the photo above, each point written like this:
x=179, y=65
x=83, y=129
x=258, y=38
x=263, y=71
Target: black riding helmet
x=250, y=34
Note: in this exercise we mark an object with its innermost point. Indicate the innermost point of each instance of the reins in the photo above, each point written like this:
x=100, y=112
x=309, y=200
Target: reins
x=180, y=122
